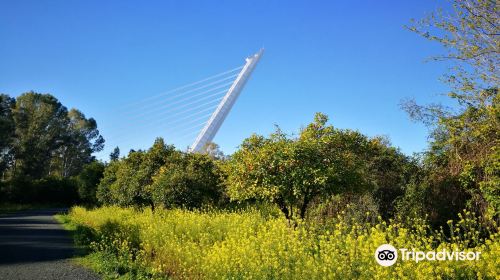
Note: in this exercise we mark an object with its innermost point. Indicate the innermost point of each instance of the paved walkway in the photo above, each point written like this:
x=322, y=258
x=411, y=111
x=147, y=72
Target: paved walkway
x=34, y=246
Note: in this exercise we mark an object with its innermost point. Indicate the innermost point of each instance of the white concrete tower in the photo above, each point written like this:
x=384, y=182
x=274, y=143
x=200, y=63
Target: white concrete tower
x=208, y=132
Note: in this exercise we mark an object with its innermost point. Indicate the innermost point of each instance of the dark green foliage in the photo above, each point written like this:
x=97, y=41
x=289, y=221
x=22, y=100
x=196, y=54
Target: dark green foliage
x=390, y=171
x=103, y=194
x=191, y=180
x=360, y=209
x=465, y=148
x=161, y=177
x=127, y=189
x=40, y=121
x=81, y=140
x=6, y=132
x=17, y=190
x=115, y=154
x=56, y=190
x=83, y=235
x=50, y=140
x=49, y=190
x=87, y=182
x=127, y=182
x=42, y=146
x=438, y=199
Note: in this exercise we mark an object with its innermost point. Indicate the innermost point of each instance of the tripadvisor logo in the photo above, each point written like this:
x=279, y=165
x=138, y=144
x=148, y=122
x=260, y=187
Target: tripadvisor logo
x=387, y=255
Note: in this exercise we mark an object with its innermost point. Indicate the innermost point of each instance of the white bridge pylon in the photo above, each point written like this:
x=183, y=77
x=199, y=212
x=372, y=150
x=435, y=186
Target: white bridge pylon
x=215, y=121
x=195, y=109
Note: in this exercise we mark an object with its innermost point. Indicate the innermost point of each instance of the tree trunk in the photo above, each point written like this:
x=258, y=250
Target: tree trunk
x=303, y=208
x=283, y=208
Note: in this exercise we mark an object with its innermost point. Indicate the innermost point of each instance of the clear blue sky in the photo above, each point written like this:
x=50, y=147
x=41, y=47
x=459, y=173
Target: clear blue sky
x=352, y=60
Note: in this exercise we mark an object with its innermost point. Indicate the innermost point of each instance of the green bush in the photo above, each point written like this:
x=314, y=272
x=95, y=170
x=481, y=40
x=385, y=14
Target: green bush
x=359, y=209
x=127, y=181
x=440, y=200
x=50, y=190
x=191, y=181
x=87, y=182
x=55, y=190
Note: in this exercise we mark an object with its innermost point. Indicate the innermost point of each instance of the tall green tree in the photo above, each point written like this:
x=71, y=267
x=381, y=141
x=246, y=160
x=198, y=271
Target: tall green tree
x=6, y=131
x=115, y=154
x=80, y=140
x=41, y=122
x=292, y=172
x=49, y=139
x=390, y=172
x=128, y=181
x=465, y=141
x=105, y=192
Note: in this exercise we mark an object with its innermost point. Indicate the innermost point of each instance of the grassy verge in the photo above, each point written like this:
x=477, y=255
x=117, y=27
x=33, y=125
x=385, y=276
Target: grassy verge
x=107, y=265
x=180, y=244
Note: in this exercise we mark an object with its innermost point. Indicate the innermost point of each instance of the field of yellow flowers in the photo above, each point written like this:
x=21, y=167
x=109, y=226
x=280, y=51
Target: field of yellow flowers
x=182, y=244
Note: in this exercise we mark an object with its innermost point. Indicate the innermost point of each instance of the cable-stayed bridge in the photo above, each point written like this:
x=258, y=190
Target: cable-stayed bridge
x=192, y=112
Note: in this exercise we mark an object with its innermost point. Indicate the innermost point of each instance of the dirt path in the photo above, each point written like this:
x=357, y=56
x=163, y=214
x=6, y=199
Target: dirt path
x=34, y=246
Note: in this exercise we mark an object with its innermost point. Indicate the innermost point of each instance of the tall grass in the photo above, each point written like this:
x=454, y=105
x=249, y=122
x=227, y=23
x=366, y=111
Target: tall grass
x=183, y=244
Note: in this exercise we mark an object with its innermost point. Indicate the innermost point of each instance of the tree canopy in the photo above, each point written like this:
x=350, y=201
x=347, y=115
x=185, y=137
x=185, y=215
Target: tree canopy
x=293, y=172
x=464, y=149
x=49, y=139
x=46, y=151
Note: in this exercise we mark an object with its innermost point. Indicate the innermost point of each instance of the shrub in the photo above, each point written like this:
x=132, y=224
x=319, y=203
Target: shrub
x=440, y=199
x=127, y=182
x=51, y=190
x=190, y=181
x=55, y=190
x=352, y=209
x=87, y=181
